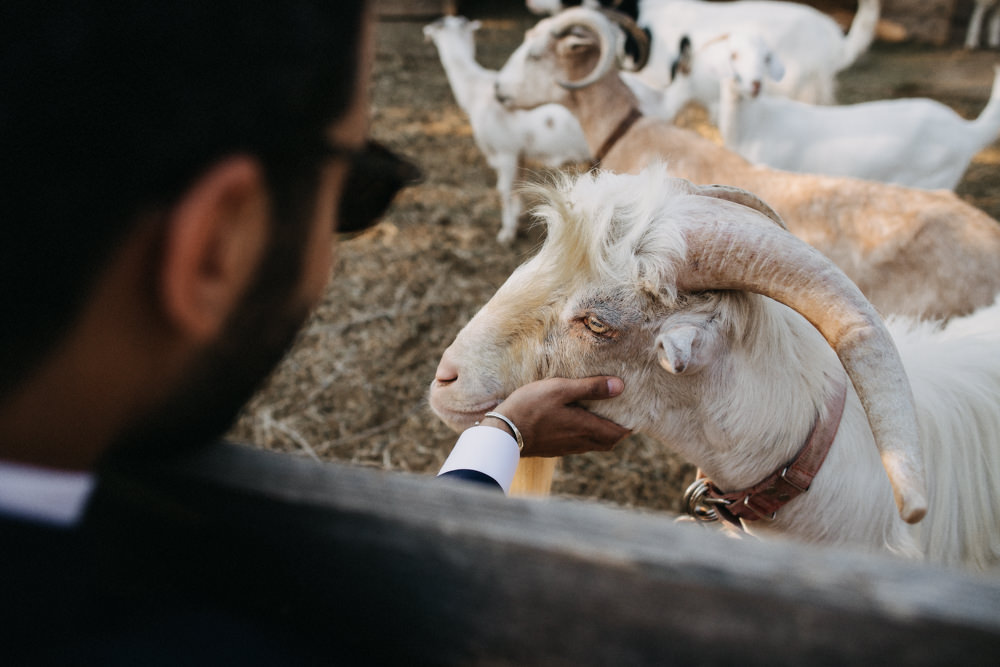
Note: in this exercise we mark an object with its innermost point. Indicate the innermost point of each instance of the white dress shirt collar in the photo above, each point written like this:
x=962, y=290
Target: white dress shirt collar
x=45, y=495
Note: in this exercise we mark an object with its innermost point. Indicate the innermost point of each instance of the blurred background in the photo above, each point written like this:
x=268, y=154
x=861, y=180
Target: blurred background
x=354, y=387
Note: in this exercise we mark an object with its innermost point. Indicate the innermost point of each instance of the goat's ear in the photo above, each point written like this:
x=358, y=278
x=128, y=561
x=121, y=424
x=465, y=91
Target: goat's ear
x=682, y=65
x=475, y=25
x=683, y=349
x=575, y=40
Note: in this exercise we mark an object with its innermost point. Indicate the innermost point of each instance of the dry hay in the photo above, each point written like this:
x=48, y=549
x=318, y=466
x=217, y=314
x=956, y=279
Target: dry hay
x=354, y=387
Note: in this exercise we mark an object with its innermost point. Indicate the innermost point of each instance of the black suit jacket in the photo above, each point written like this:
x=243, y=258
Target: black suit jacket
x=164, y=569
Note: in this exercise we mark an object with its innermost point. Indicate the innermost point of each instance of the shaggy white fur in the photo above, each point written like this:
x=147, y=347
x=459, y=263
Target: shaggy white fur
x=602, y=294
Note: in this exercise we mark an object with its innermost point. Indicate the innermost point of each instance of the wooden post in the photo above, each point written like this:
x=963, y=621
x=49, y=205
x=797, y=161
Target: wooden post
x=533, y=477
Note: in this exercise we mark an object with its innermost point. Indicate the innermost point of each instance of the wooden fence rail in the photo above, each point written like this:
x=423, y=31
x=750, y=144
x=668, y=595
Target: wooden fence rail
x=458, y=575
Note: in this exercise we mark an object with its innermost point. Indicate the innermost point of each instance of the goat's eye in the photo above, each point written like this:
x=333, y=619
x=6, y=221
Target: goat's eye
x=593, y=323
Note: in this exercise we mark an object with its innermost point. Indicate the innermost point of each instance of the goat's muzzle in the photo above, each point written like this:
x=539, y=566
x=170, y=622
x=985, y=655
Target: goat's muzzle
x=500, y=96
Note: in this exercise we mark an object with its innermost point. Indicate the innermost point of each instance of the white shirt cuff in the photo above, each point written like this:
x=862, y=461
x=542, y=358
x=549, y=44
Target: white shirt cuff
x=491, y=451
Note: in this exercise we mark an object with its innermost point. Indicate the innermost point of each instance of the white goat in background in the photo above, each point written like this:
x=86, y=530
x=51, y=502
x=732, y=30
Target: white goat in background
x=811, y=43
x=697, y=71
x=676, y=289
x=548, y=134
x=975, y=29
x=925, y=253
x=917, y=142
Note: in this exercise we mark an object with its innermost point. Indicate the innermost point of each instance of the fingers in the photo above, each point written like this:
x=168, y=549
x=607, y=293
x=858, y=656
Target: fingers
x=590, y=388
x=571, y=429
x=551, y=421
x=604, y=386
x=604, y=434
x=584, y=432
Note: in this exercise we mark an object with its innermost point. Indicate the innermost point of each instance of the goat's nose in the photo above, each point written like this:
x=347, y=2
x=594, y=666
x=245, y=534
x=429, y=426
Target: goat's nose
x=447, y=370
x=755, y=88
x=501, y=98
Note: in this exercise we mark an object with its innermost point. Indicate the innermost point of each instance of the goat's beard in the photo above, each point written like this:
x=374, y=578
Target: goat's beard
x=198, y=411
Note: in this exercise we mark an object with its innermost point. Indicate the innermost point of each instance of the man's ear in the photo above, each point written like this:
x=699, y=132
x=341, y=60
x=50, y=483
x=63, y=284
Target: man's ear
x=213, y=242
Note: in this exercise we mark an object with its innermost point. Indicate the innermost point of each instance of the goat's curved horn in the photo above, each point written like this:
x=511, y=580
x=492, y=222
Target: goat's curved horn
x=728, y=253
x=741, y=196
x=588, y=19
x=641, y=37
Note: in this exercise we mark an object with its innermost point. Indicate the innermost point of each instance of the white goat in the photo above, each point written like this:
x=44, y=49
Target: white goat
x=917, y=252
x=974, y=32
x=664, y=104
x=810, y=42
x=717, y=57
x=917, y=142
x=659, y=281
x=548, y=134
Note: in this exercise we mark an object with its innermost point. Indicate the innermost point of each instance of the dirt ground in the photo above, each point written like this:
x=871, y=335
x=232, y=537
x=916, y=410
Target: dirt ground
x=354, y=387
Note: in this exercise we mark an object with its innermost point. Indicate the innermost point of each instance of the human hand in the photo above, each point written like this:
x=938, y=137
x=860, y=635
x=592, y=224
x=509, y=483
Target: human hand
x=550, y=421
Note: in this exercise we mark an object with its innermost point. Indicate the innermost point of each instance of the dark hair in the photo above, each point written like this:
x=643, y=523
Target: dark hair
x=110, y=109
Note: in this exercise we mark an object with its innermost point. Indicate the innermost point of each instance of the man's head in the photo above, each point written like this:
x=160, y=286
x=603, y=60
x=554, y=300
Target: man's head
x=171, y=170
